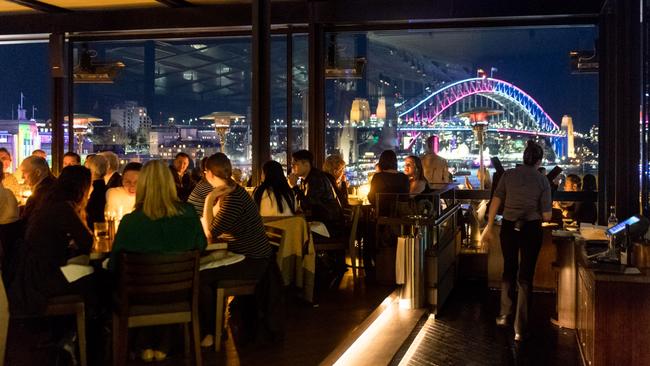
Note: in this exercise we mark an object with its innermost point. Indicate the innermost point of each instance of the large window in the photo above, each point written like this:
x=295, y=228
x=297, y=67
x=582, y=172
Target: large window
x=280, y=145
x=25, y=100
x=169, y=96
x=394, y=89
x=191, y=95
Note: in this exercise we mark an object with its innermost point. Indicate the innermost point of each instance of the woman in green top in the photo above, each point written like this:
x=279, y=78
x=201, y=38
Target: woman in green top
x=161, y=223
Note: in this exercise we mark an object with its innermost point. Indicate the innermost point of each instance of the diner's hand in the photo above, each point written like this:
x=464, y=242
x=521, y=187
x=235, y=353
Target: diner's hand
x=293, y=179
x=485, y=236
x=221, y=191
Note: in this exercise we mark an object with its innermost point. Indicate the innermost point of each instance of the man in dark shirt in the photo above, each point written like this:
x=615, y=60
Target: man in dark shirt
x=40, y=180
x=112, y=179
x=315, y=193
x=184, y=185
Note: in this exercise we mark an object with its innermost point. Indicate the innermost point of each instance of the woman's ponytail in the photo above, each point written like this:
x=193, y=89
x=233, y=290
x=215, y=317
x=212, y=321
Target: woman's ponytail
x=533, y=153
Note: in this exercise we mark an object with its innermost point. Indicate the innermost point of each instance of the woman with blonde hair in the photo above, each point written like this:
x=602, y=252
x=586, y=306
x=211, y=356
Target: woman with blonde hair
x=160, y=223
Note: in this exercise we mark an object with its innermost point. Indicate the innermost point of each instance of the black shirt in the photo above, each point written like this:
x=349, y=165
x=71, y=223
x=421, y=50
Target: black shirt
x=115, y=181
x=184, y=184
x=55, y=233
x=387, y=182
x=96, y=203
x=319, y=202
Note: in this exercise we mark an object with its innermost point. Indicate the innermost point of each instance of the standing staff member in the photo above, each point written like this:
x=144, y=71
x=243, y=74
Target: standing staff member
x=527, y=197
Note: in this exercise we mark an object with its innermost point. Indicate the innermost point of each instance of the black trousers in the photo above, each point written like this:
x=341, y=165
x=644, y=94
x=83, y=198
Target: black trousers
x=520, y=250
x=248, y=269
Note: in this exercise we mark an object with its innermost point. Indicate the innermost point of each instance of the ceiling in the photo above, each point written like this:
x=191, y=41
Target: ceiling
x=52, y=6
x=79, y=16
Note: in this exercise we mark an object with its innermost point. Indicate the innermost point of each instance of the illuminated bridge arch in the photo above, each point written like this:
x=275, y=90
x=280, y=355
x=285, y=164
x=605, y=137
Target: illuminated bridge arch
x=528, y=115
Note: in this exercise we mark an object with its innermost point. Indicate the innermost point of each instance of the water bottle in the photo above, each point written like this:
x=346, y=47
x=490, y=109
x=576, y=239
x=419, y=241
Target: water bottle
x=612, y=220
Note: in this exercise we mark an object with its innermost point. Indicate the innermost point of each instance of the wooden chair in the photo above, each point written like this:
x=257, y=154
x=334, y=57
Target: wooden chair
x=275, y=235
x=347, y=242
x=71, y=305
x=156, y=289
x=229, y=288
x=57, y=306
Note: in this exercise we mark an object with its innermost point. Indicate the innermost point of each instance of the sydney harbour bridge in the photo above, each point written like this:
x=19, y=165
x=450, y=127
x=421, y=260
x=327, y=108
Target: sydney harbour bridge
x=440, y=111
x=443, y=113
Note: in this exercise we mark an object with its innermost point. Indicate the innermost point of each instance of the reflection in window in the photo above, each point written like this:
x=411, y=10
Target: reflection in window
x=171, y=96
x=25, y=123
x=395, y=89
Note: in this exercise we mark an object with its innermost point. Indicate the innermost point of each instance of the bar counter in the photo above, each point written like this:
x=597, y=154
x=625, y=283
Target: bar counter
x=612, y=315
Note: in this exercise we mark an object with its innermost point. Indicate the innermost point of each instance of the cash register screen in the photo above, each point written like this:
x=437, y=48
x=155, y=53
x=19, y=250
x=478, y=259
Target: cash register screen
x=621, y=225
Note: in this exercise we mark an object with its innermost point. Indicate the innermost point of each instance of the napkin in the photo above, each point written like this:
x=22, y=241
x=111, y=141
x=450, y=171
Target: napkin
x=228, y=259
x=319, y=228
x=73, y=272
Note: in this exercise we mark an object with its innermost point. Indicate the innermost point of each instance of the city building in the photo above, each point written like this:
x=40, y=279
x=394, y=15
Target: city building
x=569, y=150
x=131, y=117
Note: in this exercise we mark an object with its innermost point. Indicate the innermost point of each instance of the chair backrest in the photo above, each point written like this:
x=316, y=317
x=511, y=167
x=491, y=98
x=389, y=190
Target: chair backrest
x=274, y=234
x=156, y=279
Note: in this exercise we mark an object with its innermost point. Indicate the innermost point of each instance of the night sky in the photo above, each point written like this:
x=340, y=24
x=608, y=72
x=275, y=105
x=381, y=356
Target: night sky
x=536, y=60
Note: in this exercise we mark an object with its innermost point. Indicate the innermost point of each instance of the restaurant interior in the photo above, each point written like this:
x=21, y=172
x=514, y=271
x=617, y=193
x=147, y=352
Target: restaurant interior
x=410, y=278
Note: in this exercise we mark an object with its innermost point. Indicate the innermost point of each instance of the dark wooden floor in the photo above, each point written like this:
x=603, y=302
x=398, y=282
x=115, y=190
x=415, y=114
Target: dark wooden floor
x=311, y=332
x=464, y=333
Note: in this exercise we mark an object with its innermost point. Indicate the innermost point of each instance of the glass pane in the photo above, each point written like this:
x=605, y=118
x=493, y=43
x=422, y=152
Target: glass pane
x=25, y=103
x=395, y=89
x=170, y=96
x=300, y=102
x=279, y=99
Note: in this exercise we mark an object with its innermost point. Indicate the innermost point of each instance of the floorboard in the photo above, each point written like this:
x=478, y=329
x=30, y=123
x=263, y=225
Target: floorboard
x=464, y=333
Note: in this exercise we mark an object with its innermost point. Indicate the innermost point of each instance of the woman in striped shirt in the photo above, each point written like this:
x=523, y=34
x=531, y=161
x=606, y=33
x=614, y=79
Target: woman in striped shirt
x=238, y=219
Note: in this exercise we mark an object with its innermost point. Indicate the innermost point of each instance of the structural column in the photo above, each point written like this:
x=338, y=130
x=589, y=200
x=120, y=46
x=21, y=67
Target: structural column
x=261, y=86
x=316, y=89
x=57, y=43
x=620, y=100
x=69, y=62
x=289, y=116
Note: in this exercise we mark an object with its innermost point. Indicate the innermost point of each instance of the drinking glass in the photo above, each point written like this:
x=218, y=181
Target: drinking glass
x=102, y=237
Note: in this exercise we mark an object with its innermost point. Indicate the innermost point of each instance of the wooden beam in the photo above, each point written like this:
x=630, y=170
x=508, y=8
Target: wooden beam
x=360, y=13
x=40, y=6
x=56, y=50
x=128, y=21
x=176, y=3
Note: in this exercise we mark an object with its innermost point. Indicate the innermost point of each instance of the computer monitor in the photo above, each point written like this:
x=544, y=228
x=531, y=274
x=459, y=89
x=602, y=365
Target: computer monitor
x=618, y=228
